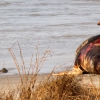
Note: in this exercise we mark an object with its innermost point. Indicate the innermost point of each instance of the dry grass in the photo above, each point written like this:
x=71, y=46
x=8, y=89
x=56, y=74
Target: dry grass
x=59, y=88
x=51, y=88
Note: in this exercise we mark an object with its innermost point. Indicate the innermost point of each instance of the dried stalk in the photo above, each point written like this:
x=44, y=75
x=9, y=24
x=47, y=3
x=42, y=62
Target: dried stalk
x=16, y=63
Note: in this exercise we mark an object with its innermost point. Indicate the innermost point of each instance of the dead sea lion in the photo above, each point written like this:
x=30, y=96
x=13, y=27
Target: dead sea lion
x=87, y=58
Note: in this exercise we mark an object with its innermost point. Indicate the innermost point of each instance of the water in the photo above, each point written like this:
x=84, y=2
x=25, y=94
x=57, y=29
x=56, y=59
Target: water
x=60, y=25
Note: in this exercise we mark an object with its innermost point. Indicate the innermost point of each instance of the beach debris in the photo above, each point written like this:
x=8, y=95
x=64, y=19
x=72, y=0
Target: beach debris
x=4, y=70
x=87, y=59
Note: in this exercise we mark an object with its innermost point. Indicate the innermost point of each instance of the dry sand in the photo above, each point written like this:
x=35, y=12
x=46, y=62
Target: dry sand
x=8, y=82
x=89, y=80
x=12, y=81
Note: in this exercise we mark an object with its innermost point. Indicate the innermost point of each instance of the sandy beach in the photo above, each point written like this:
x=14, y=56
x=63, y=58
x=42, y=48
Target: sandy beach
x=8, y=82
x=12, y=81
